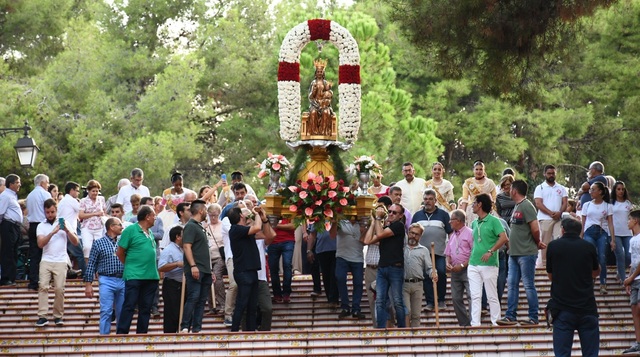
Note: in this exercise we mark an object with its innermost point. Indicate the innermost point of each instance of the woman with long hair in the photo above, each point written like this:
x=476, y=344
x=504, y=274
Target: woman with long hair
x=474, y=186
x=443, y=188
x=92, y=208
x=597, y=223
x=174, y=195
x=621, y=208
x=53, y=190
x=504, y=202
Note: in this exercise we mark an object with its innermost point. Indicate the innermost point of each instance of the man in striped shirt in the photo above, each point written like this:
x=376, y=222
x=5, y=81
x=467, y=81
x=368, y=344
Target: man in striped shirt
x=103, y=260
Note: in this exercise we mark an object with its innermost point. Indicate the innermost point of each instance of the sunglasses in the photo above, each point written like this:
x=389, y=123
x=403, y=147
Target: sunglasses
x=394, y=212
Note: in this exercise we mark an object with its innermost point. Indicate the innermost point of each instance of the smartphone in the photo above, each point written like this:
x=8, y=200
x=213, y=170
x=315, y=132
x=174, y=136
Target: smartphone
x=61, y=222
x=224, y=177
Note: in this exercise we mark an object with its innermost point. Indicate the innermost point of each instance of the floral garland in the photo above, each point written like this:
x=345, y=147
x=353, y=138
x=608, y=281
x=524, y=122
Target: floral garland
x=273, y=164
x=318, y=200
x=365, y=163
x=349, y=89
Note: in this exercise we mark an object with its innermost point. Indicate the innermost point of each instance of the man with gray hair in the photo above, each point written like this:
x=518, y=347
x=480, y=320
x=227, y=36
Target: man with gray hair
x=436, y=227
x=136, y=186
x=595, y=174
x=457, y=253
x=35, y=215
x=112, y=200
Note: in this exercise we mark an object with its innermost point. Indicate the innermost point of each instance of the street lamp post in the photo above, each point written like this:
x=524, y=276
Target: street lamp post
x=26, y=147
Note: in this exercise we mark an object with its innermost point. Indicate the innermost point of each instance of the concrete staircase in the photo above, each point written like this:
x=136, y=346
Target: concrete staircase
x=304, y=327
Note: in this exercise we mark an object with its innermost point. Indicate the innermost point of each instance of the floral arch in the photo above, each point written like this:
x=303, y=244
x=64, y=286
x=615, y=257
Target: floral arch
x=289, y=99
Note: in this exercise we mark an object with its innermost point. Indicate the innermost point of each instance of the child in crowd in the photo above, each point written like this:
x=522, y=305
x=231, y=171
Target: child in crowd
x=632, y=283
x=135, y=204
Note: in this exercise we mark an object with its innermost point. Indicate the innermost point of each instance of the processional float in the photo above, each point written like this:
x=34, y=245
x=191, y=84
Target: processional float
x=315, y=194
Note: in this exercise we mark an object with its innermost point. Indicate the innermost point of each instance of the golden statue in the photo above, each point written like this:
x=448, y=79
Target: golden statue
x=321, y=116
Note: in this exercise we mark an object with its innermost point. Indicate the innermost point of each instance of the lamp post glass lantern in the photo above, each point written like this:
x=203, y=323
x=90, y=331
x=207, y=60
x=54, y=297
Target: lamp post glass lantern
x=26, y=147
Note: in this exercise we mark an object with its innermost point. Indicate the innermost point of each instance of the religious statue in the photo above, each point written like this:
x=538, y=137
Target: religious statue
x=321, y=114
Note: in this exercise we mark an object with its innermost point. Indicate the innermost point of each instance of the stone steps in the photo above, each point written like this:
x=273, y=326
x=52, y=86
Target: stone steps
x=304, y=327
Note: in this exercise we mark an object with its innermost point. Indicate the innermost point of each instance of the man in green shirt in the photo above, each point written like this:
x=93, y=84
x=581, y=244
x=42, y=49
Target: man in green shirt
x=198, y=275
x=524, y=243
x=488, y=237
x=137, y=251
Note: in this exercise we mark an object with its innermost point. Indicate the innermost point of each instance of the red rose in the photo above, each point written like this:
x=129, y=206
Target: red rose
x=339, y=209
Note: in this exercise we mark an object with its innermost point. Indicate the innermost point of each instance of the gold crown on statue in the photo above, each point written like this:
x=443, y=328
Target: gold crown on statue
x=320, y=63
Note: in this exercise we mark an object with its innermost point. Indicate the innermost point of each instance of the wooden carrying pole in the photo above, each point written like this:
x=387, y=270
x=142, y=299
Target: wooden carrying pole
x=435, y=285
x=181, y=301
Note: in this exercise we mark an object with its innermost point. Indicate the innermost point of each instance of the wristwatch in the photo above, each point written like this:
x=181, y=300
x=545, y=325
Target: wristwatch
x=490, y=251
x=308, y=251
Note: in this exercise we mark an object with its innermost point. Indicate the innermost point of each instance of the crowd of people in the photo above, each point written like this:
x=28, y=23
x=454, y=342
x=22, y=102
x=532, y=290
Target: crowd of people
x=491, y=237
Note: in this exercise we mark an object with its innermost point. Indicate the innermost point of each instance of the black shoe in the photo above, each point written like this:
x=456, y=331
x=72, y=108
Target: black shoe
x=42, y=322
x=32, y=287
x=358, y=315
x=7, y=283
x=343, y=314
x=113, y=316
x=58, y=321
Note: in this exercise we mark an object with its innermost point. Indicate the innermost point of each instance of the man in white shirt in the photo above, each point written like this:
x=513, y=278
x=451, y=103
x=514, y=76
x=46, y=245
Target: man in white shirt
x=52, y=238
x=69, y=208
x=136, y=186
x=551, y=200
x=35, y=215
x=412, y=188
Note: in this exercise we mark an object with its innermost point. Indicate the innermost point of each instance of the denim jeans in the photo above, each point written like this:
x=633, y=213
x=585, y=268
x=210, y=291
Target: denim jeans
x=247, y=300
x=623, y=255
x=522, y=267
x=275, y=251
x=111, y=292
x=441, y=267
x=563, y=328
x=357, y=271
x=137, y=293
x=390, y=278
x=196, y=294
x=76, y=252
x=598, y=237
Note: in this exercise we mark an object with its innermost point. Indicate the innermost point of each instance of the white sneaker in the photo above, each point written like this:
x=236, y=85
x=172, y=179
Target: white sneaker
x=184, y=330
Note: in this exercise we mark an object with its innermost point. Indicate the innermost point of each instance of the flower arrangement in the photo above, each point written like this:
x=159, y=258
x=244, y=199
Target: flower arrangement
x=349, y=89
x=365, y=163
x=318, y=200
x=272, y=164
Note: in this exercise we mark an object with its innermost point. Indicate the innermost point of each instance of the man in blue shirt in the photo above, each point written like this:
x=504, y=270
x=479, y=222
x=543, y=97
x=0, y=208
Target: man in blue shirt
x=171, y=263
x=11, y=215
x=103, y=260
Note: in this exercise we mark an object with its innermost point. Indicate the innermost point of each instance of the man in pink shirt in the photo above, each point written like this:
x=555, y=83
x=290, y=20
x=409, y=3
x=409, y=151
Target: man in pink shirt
x=457, y=254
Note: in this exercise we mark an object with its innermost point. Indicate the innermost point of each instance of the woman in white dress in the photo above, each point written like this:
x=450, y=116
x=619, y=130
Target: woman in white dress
x=474, y=186
x=443, y=188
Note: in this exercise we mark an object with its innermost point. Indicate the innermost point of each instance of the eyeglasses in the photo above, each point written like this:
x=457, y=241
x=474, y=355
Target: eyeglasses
x=394, y=212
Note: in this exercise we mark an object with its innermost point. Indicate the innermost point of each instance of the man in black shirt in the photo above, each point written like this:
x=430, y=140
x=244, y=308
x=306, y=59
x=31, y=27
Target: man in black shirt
x=391, y=264
x=572, y=264
x=246, y=263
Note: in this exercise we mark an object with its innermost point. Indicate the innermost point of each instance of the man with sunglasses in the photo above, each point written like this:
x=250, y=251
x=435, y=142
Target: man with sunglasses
x=390, y=276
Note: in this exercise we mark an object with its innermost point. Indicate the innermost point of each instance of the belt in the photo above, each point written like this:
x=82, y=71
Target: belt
x=372, y=266
x=413, y=280
x=398, y=265
x=116, y=275
x=11, y=221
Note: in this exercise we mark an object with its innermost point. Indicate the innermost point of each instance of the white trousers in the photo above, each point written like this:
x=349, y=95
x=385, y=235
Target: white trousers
x=487, y=275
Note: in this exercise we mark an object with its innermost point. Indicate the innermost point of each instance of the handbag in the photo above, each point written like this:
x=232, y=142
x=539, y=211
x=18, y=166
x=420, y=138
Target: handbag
x=220, y=249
